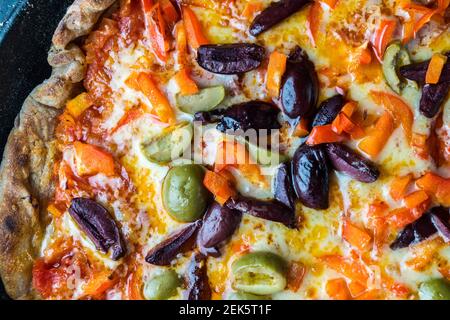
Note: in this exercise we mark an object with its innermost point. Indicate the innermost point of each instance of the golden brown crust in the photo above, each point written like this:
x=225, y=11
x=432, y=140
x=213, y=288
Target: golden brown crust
x=27, y=165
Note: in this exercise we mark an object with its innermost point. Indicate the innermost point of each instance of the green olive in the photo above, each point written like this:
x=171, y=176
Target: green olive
x=205, y=100
x=239, y=295
x=162, y=286
x=259, y=273
x=395, y=56
x=183, y=193
x=170, y=144
x=262, y=155
x=436, y=289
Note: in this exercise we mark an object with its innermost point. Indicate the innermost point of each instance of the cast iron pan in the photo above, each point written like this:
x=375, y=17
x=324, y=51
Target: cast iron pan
x=26, y=28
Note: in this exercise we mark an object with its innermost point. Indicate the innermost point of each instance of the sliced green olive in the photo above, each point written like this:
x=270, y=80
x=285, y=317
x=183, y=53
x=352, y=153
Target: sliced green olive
x=162, y=286
x=170, y=144
x=259, y=273
x=436, y=289
x=205, y=100
x=183, y=193
x=239, y=295
x=395, y=56
x=262, y=155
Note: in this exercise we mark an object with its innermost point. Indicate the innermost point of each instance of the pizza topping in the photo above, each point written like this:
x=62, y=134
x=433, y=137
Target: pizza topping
x=377, y=137
x=394, y=58
x=435, y=289
x=163, y=286
x=183, y=193
x=90, y=160
x=170, y=145
x=193, y=28
x=435, y=68
x=283, y=190
x=300, y=86
x=260, y=273
x=178, y=242
x=274, y=14
x=440, y=216
x=98, y=225
x=220, y=185
x=328, y=110
x=230, y=58
x=417, y=71
x=219, y=224
x=345, y=160
x=198, y=287
x=205, y=100
x=310, y=176
x=269, y=210
x=433, y=96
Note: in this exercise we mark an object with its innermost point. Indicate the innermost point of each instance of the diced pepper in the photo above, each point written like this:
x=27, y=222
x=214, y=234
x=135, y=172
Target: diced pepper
x=129, y=116
x=301, y=130
x=251, y=9
x=90, y=160
x=373, y=294
x=169, y=12
x=400, y=111
x=156, y=31
x=377, y=223
x=219, y=186
x=435, y=67
x=383, y=36
x=99, y=283
x=398, y=186
x=348, y=267
x=295, y=275
x=400, y=217
x=374, y=142
x=134, y=286
x=275, y=71
x=159, y=102
x=414, y=199
x=330, y=3
x=337, y=289
x=356, y=288
x=54, y=211
x=343, y=124
x=185, y=83
x=365, y=56
x=349, y=108
x=313, y=21
x=357, y=237
x=181, y=43
x=194, y=31
x=436, y=186
x=323, y=134
x=79, y=104
x=424, y=20
x=408, y=28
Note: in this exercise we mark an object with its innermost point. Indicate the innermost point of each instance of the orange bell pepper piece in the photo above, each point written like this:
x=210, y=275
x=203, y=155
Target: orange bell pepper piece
x=219, y=186
x=435, y=67
x=373, y=294
x=194, y=32
x=295, y=275
x=399, y=110
x=251, y=9
x=365, y=56
x=129, y=116
x=330, y=3
x=377, y=223
x=357, y=237
x=79, y=104
x=156, y=31
x=313, y=21
x=185, y=83
x=323, y=134
x=90, y=160
x=169, y=12
x=350, y=268
x=424, y=20
x=414, y=199
x=383, y=36
x=301, y=129
x=159, y=102
x=349, y=108
x=436, y=186
x=408, y=28
x=275, y=70
x=400, y=217
x=54, y=211
x=374, y=142
x=99, y=283
x=337, y=289
x=398, y=186
x=181, y=43
x=343, y=124
x=134, y=286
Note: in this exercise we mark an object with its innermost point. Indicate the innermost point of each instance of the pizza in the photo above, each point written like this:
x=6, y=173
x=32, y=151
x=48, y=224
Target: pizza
x=234, y=149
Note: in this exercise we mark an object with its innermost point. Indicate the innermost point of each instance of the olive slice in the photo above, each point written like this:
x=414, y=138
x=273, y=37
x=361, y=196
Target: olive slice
x=162, y=286
x=435, y=289
x=205, y=100
x=170, y=145
x=395, y=57
x=259, y=273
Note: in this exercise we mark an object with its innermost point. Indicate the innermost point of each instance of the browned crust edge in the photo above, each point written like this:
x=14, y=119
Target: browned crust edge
x=30, y=152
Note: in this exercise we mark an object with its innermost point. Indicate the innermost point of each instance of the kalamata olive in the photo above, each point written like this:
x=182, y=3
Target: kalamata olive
x=162, y=286
x=283, y=190
x=299, y=86
x=435, y=289
x=219, y=223
x=230, y=58
x=260, y=272
x=310, y=176
x=98, y=225
x=328, y=110
x=248, y=115
x=183, y=193
x=198, y=287
x=415, y=232
x=440, y=217
x=356, y=166
x=274, y=14
x=269, y=210
x=417, y=71
x=179, y=242
x=433, y=96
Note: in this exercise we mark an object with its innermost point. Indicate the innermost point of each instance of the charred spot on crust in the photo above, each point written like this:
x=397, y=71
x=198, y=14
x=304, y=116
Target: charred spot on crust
x=10, y=224
x=22, y=160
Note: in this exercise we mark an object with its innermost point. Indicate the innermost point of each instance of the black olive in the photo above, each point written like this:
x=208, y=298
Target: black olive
x=283, y=190
x=198, y=287
x=417, y=71
x=274, y=14
x=440, y=217
x=328, y=110
x=98, y=225
x=230, y=58
x=433, y=96
x=415, y=232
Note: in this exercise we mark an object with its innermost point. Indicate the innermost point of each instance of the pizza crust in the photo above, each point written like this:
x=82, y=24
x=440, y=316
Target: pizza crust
x=30, y=152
